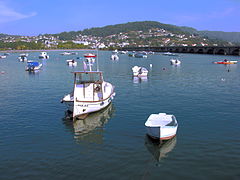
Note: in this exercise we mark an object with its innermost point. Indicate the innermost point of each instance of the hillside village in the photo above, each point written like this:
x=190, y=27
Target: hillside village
x=151, y=37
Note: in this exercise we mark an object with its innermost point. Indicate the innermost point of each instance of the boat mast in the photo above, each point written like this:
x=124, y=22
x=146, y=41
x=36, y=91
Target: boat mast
x=97, y=58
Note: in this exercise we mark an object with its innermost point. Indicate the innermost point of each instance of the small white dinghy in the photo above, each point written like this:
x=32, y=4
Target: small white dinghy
x=161, y=126
x=71, y=62
x=114, y=57
x=175, y=62
x=139, y=71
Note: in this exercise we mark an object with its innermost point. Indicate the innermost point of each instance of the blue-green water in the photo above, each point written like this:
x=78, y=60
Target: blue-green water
x=38, y=142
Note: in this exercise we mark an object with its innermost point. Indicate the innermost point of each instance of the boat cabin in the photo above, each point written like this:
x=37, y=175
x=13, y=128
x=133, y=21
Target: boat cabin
x=88, y=86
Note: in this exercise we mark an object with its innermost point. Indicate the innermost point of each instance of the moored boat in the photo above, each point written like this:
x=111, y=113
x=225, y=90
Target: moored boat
x=114, y=57
x=71, y=62
x=22, y=58
x=225, y=62
x=175, y=62
x=90, y=55
x=90, y=94
x=161, y=126
x=65, y=53
x=169, y=54
x=33, y=66
x=140, y=55
x=43, y=55
x=2, y=56
x=139, y=71
x=23, y=55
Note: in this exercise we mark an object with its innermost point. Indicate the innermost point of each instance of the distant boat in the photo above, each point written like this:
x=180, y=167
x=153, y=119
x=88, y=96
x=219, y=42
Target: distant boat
x=225, y=62
x=2, y=56
x=90, y=55
x=139, y=71
x=122, y=52
x=23, y=55
x=43, y=55
x=175, y=62
x=161, y=126
x=33, y=66
x=114, y=57
x=169, y=54
x=90, y=60
x=131, y=54
x=140, y=55
x=65, y=53
x=71, y=62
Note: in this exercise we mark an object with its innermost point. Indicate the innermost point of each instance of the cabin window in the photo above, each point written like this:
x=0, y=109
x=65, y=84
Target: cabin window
x=88, y=78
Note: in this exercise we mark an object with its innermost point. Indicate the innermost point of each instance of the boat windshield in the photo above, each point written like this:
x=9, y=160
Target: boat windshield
x=88, y=77
x=173, y=122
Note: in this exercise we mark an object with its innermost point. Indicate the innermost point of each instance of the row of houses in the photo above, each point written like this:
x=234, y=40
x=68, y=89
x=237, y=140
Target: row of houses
x=153, y=36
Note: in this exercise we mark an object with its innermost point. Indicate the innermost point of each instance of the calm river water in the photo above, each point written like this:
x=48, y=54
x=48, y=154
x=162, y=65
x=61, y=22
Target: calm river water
x=37, y=141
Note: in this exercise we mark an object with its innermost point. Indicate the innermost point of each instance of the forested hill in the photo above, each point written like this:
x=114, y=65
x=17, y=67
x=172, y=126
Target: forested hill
x=130, y=26
x=146, y=25
x=225, y=36
x=122, y=28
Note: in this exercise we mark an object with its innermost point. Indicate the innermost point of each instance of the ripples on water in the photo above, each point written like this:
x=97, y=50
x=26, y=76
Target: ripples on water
x=39, y=142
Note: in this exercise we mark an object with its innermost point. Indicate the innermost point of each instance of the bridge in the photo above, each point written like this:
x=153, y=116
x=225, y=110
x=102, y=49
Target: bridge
x=222, y=50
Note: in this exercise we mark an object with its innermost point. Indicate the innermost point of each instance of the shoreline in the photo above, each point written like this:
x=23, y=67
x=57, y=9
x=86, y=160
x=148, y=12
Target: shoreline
x=40, y=50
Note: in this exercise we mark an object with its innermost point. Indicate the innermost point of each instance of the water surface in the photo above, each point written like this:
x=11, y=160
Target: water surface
x=38, y=141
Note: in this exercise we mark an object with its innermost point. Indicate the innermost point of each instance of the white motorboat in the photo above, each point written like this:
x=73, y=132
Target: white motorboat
x=66, y=53
x=140, y=55
x=123, y=52
x=71, y=62
x=139, y=71
x=90, y=55
x=2, y=56
x=33, y=66
x=90, y=94
x=43, y=55
x=22, y=58
x=90, y=60
x=23, y=54
x=161, y=126
x=169, y=54
x=114, y=57
x=175, y=62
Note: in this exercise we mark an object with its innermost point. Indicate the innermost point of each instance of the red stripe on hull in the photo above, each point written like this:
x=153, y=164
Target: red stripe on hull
x=167, y=138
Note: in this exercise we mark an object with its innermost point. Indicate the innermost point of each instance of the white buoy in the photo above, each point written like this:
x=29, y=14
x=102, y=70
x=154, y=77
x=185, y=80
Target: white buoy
x=150, y=65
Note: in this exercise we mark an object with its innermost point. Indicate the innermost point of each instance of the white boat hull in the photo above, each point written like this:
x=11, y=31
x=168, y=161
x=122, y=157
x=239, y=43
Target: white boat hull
x=86, y=108
x=35, y=68
x=161, y=126
x=43, y=57
x=162, y=133
x=175, y=62
x=139, y=71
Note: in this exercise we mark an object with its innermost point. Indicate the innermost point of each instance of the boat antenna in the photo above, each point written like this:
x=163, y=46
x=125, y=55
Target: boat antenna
x=97, y=58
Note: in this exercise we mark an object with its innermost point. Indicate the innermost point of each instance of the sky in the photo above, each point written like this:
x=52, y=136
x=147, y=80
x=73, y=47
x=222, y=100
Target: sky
x=34, y=17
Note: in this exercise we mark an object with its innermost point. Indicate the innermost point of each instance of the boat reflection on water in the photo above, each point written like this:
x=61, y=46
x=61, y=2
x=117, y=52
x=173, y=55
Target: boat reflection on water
x=91, y=128
x=33, y=73
x=158, y=149
x=140, y=79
